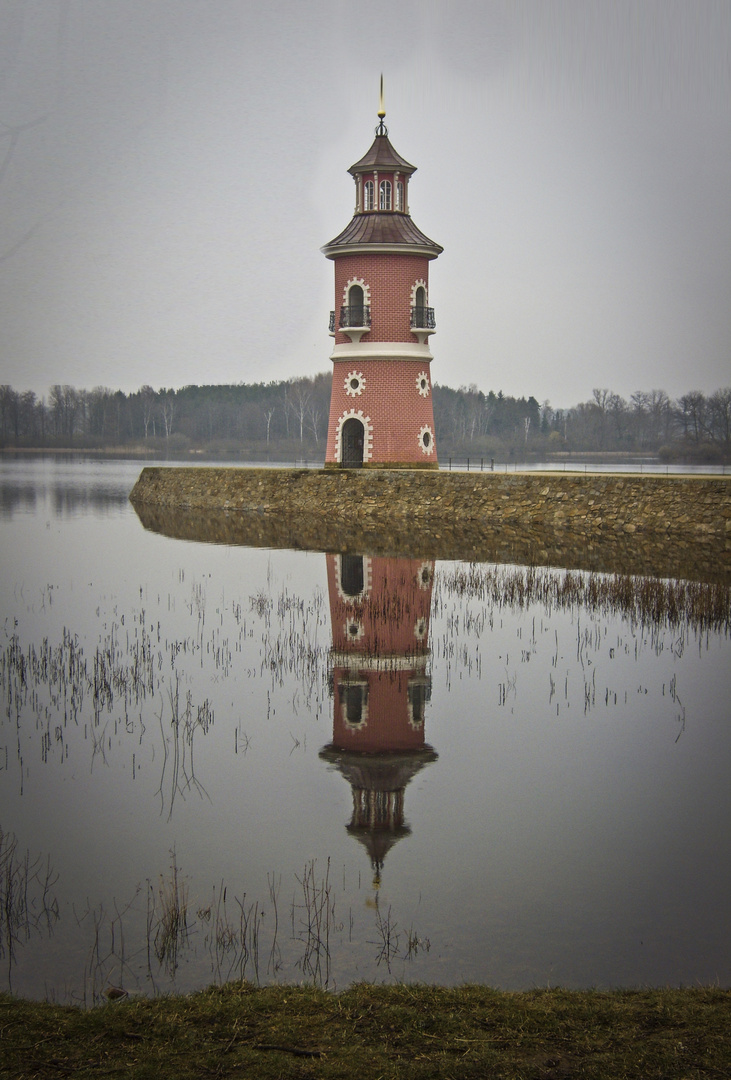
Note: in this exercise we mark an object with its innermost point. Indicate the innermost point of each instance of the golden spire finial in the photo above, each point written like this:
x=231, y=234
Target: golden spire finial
x=381, y=106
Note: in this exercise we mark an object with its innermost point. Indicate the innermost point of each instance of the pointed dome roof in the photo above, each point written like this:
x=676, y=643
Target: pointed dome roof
x=382, y=156
x=381, y=230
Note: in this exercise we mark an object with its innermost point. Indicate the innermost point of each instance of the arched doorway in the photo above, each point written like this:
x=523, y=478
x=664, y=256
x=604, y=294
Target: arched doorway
x=351, y=574
x=352, y=442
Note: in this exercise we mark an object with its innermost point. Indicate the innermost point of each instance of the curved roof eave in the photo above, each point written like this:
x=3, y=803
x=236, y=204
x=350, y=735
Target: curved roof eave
x=379, y=231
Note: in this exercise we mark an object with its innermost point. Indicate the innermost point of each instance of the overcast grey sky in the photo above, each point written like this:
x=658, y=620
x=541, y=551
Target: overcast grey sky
x=170, y=168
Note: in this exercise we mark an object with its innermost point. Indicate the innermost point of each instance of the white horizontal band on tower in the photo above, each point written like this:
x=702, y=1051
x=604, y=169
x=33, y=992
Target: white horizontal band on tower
x=382, y=350
x=366, y=661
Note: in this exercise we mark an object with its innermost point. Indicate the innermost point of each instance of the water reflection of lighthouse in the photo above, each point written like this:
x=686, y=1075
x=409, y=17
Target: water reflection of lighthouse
x=380, y=624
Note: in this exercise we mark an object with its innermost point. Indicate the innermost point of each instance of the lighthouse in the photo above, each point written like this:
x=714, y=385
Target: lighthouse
x=381, y=408
x=379, y=609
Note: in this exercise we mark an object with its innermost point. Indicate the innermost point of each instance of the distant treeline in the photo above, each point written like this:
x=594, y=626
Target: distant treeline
x=289, y=419
x=696, y=427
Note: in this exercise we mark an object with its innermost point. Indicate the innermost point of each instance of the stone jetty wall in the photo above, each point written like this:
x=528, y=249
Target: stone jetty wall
x=651, y=522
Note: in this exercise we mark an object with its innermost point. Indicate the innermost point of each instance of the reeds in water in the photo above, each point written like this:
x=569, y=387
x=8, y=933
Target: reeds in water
x=658, y=602
x=28, y=904
x=168, y=911
x=315, y=916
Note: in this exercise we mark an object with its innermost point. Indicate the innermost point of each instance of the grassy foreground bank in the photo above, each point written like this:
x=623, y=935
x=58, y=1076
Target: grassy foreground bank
x=372, y=1032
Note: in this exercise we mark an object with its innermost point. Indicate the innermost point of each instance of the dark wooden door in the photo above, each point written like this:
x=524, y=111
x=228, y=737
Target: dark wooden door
x=352, y=444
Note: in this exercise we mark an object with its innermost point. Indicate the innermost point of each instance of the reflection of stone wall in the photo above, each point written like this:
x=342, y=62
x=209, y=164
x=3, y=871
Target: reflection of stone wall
x=671, y=526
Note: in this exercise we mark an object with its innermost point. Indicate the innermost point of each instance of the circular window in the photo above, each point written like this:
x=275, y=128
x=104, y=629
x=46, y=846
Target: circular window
x=354, y=383
x=354, y=630
x=424, y=575
x=422, y=383
x=426, y=440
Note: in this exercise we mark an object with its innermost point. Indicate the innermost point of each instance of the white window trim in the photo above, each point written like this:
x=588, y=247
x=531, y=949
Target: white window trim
x=361, y=383
x=362, y=685
x=366, y=291
x=425, y=575
x=367, y=581
x=420, y=284
x=430, y=449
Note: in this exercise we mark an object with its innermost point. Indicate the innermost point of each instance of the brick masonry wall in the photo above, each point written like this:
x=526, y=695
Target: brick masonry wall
x=673, y=526
x=391, y=279
x=389, y=619
x=392, y=409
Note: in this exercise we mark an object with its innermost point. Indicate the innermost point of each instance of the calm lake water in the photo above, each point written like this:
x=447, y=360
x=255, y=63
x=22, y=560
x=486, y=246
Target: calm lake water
x=219, y=762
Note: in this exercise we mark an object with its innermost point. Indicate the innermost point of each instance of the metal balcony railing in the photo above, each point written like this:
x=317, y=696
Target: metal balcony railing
x=355, y=315
x=422, y=318
x=351, y=316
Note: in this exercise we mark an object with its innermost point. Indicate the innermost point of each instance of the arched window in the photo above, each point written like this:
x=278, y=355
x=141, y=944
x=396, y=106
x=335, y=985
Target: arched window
x=384, y=195
x=420, y=307
x=419, y=692
x=354, y=703
x=399, y=195
x=368, y=192
x=355, y=306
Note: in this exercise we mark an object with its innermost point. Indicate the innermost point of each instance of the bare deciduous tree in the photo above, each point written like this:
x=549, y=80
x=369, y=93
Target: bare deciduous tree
x=167, y=411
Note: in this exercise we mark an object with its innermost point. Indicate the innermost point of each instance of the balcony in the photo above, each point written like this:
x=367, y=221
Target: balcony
x=423, y=322
x=355, y=320
x=422, y=318
x=355, y=317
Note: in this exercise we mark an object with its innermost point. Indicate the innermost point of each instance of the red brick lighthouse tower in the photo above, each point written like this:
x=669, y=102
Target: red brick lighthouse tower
x=381, y=412
x=380, y=610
